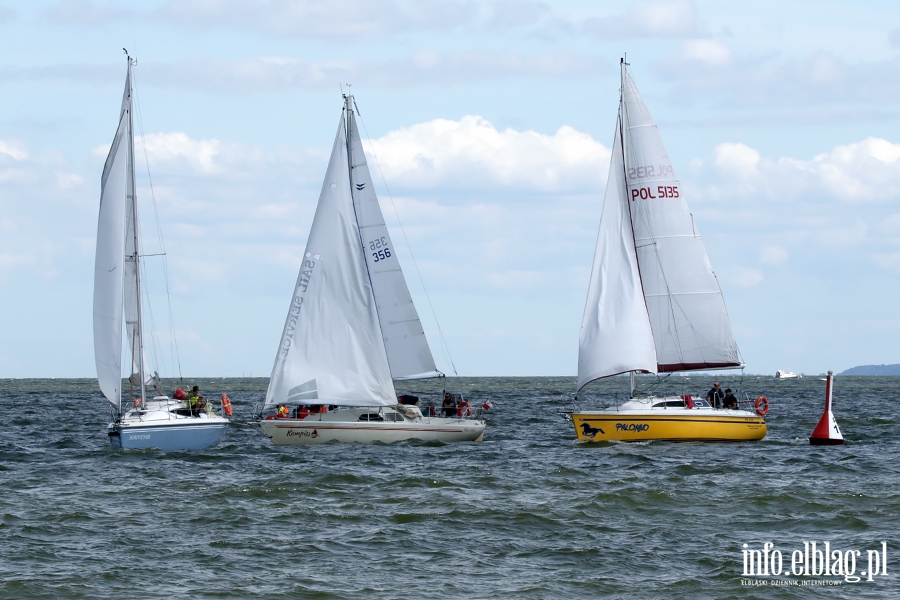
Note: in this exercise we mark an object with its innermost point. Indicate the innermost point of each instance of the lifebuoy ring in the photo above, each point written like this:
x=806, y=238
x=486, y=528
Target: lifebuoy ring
x=763, y=402
x=137, y=402
x=463, y=405
x=226, y=405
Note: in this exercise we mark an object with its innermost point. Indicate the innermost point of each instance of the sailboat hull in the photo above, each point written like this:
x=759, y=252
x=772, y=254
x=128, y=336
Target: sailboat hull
x=166, y=430
x=345, y=426
x=670, y=424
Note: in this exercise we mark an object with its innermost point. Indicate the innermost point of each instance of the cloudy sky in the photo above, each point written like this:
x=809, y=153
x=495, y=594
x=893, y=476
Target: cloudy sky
x=491, y=122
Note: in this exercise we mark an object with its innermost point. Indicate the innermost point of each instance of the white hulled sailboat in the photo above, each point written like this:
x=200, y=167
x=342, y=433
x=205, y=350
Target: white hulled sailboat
x=138, y=423
x=654, y=304
x=352, y=328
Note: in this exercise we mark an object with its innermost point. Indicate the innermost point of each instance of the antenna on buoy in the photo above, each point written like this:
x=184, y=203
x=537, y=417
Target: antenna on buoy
x=827, y=432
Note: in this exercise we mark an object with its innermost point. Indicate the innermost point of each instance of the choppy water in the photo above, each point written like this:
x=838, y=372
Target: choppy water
x=528, y=513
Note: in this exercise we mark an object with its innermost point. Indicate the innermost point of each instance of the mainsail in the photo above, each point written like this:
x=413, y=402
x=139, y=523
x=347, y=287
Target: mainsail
x=404, y=339
x=647, y=229
x=351, y=327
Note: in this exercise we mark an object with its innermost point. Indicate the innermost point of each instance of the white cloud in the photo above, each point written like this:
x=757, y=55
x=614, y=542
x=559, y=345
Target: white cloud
x=85, y=12
x=9, y=260
x=737, y=160
x=746, y=278
x=863, y=172
x=471, y=152
x=773, y=255
x=67, y=181
x=177, y=146
x=14, y=148
x=340, y=19
x=888, y=261
x=661, y=18
x=266, y=73
x=707, y=51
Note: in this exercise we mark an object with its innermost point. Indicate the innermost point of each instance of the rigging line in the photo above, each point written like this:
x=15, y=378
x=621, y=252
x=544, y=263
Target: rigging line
x=444, y=348
x=173, y=341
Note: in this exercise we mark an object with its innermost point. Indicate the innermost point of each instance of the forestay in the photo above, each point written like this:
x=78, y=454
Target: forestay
x=331, y=349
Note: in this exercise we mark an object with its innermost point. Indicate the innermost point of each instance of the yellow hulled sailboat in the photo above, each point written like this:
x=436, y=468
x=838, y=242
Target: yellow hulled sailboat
x=654, y=304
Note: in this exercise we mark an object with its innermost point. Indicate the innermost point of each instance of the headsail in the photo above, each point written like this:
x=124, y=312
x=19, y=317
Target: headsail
x=651, y=273
x=331, y=350
x=404, y=339
x=615, y=332
x=116, y=184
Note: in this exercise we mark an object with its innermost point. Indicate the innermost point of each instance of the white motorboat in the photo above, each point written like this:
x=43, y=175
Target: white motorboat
x=785, y=375
x=352, y=328
x=654, y=304
x=137, y=423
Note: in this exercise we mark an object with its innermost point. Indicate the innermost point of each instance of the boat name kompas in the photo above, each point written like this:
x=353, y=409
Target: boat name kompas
x=296, y=304
x=303, y=433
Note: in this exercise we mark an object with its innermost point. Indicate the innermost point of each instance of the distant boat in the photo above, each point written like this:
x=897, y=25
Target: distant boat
x=352, y=328
x=654, y=304
x=139, y=423
x=786, y=375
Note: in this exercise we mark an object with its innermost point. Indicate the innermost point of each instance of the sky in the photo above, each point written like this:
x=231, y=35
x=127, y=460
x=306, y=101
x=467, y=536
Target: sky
x=488, y=127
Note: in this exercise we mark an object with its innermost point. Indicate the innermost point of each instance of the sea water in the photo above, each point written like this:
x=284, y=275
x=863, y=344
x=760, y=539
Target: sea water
x=528, y=513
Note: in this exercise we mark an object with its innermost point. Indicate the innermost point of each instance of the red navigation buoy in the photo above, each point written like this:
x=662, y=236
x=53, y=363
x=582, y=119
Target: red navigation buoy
x=827, y=432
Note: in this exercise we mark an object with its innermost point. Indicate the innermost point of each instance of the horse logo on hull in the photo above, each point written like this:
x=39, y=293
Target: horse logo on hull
x=589, y=431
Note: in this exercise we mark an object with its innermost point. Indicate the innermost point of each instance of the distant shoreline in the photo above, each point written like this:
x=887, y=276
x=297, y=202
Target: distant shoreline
x=873, y=370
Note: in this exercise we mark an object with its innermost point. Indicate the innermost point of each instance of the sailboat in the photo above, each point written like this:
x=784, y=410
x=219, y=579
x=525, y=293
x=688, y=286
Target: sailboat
x=139, y=422
x=654, y=304
x=352, y=328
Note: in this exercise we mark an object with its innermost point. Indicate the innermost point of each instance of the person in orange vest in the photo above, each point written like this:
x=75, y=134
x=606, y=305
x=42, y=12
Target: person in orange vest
x=282, y=412
x=302, y=412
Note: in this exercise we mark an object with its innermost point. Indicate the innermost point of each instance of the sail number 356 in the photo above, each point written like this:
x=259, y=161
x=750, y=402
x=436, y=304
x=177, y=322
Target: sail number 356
x=379, y=248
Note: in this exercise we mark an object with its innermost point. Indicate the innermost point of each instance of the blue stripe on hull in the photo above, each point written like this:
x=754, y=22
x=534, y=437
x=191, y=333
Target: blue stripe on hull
x=192, y=437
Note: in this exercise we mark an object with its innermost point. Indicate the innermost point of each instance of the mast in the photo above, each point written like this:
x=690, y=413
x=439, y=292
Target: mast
x=622, y=65
x=132, y=198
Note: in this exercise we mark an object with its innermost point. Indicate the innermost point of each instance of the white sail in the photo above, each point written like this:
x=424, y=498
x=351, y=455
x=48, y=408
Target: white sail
x=331, y=349
x=615, y=332
x=685, y=305
x=404, y=339
x=109, y=263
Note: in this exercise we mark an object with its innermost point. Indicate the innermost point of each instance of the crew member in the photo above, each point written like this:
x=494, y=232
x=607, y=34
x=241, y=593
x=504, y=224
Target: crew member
x=715, y=396
x=729, y=401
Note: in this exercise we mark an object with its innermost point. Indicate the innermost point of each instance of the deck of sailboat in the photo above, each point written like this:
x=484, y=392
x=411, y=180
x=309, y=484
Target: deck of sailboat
x=369, y=425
